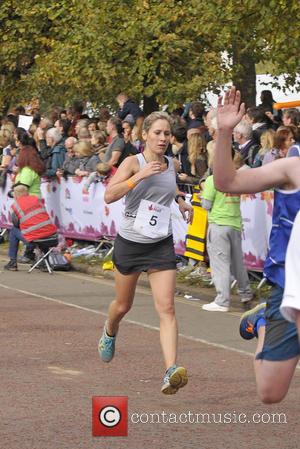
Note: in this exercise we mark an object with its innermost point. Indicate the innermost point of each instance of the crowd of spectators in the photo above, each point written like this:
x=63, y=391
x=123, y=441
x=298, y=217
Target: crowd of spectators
x=69, y=142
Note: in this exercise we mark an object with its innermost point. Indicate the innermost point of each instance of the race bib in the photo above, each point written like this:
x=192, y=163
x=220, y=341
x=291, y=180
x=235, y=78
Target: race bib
x=152, y=219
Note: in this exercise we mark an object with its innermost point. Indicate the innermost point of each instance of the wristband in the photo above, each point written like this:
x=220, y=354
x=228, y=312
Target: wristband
x=130, y=183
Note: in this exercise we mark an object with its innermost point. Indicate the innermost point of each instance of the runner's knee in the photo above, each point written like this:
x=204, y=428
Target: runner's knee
x=123, y=308
x=269, y=394
x=165, y=308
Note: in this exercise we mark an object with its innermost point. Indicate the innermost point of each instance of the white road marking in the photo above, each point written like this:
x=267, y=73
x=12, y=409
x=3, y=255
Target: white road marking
x=139, y=289
x=137, y=323
x=63, y=371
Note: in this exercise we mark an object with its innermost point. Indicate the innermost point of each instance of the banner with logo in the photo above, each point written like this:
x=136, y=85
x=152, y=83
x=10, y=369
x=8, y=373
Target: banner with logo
x=87, y=217
x=256, y=210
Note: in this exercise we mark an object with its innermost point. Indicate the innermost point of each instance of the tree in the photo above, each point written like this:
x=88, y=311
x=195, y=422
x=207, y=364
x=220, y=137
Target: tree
x=257, y=33
x=158, y=52
x=25, y=30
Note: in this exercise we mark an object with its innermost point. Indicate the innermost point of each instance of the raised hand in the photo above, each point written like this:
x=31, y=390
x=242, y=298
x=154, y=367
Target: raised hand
x=230, y=113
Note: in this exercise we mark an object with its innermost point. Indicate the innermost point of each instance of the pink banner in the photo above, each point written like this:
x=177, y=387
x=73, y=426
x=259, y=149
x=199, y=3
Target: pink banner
x=87, y=217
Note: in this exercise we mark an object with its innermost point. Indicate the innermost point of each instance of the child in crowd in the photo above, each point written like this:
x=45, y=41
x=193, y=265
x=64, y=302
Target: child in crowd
x=99, y=142
x=103, y=174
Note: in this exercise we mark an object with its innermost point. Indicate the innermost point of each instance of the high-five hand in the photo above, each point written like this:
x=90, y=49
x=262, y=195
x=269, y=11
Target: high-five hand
x=230, y=113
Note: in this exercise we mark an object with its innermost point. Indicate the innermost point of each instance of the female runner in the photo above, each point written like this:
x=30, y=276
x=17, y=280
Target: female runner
x=145, y=242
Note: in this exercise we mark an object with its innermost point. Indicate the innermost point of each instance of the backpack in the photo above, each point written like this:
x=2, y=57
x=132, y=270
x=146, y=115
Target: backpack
x=58, y=262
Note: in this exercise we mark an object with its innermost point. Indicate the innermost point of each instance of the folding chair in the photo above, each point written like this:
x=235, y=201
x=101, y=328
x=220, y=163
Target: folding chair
x=104, y=243
x=46, y=245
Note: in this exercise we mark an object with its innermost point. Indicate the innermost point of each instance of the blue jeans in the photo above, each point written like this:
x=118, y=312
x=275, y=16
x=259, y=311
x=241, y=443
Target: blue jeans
x=15, y=236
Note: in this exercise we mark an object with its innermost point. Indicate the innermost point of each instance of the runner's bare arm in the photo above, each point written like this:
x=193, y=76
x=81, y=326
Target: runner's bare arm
x=274, y=174
x=226, y=178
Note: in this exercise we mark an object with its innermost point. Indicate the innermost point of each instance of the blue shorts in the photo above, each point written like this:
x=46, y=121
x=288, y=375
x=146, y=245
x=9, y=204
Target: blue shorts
x=281, y=338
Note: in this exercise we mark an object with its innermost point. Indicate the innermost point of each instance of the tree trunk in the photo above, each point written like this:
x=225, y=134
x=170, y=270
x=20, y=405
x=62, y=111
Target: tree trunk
x=244, y=75
x=150, y=104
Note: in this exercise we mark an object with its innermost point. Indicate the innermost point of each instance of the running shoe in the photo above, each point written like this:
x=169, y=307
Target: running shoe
x=249, y=320
x=175, y=378
x=106, y=346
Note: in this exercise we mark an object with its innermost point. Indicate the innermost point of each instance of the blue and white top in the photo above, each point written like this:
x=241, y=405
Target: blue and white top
x=286, y=207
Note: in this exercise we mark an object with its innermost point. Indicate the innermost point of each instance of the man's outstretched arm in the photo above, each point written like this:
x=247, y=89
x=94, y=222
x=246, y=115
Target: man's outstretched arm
x=226, y=178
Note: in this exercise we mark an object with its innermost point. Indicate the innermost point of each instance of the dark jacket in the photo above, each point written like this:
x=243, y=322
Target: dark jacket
x=185, y=166
x=256, y=133
x=130, y=107
x=53, y=157
x=195, y=123
x=249, y=152
x=182, y=156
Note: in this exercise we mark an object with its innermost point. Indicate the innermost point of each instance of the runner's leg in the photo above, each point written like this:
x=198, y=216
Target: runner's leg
x=278, y=347
x=163, y=289
x=238, y=268
x=125, y=290
x=273, y=378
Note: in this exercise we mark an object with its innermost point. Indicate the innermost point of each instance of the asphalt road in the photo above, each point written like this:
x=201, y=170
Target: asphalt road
x=50, y=370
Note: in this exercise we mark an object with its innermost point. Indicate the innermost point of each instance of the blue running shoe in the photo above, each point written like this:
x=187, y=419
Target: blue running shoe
x=175, y=378
x=249, y=320
x=106, y=346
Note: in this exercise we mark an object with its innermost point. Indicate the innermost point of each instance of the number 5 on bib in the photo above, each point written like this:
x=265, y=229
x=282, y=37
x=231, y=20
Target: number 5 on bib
x=152, y=219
